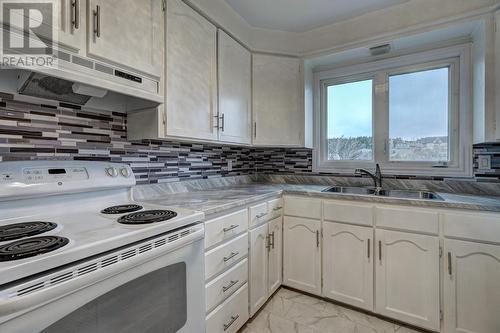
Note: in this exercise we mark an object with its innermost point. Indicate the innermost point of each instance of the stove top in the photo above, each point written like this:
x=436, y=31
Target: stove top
x=121, y=209
x=19, y=230
x=30, y=247
x=147, y=216
x=58, y=212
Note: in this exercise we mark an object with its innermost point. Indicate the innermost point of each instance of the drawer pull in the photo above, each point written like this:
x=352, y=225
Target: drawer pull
x=233, y=319
x=231, y=227
x=260, y=215
x=368, y=248
x=449, y=264
x=277, y=208
x=231, y=256
x=229, y=286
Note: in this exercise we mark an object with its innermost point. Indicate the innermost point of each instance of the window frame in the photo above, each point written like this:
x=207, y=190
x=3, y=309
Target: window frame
x=457, y=58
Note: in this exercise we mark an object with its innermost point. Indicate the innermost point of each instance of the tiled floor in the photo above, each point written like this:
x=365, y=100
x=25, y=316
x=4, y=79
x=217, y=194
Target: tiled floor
x=292, y=312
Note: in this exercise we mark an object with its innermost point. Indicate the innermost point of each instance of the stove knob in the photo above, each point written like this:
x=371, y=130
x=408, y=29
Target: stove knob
x=112, y=172
x=125, y=173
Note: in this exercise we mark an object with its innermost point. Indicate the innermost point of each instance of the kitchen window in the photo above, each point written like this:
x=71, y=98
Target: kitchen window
x=409, y=114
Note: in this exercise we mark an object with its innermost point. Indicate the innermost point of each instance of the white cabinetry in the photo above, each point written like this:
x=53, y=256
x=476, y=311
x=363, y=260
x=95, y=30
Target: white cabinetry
x=258, y=267
x=191, y=75
x=275, y=269
x=234, y=66
x=72, y=24
x=407, y=278
x=302, y=254
x=265, y=253
x=128, y=33
x=348, y=264
x=471, y=287
x=278, y=110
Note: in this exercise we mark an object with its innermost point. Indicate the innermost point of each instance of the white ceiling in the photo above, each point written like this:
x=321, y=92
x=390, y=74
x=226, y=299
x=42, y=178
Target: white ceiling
x=303, y=15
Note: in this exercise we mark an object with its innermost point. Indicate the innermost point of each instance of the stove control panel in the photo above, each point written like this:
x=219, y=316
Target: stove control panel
x=38, y=178
x=50, y=175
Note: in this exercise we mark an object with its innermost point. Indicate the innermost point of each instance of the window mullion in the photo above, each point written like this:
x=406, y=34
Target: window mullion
x=381, y=118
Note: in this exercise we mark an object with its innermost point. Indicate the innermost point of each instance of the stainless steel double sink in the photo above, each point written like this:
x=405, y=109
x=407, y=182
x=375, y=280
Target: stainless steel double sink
x=400, y=194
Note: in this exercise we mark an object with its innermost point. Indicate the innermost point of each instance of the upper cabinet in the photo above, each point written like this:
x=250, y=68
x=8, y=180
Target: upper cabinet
x=128, y=33
x=72, y=24
x=234, y=66
x=191, y=76
x=278, y=110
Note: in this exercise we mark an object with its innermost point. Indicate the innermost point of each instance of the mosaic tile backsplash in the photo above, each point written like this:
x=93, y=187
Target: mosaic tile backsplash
x=30, y=131
x=33, y=131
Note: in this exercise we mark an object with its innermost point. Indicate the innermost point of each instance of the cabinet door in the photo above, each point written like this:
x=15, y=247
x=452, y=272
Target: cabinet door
x=191, y=77
x=258, y=268
x=72, y=24
x=275, y=254
x=128, y=33
x=471, y=287
x=277, y=108
x=407, y=278
x=302, y=254
x=234, y=91
x=348, y=264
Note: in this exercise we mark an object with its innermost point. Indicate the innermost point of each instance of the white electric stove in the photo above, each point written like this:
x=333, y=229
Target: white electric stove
x=72, y=237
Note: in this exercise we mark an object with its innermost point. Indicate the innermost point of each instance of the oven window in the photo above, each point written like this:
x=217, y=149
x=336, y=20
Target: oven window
x=156, y=302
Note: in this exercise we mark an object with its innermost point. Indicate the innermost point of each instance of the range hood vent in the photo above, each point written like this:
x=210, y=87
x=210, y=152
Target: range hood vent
x=49, y=87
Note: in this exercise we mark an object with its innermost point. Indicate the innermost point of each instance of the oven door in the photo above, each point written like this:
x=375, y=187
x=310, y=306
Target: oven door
x=153, y=286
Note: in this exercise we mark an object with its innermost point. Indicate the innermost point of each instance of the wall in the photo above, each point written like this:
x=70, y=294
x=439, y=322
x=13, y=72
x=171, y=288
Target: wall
x=30, y=131
x=34, y=131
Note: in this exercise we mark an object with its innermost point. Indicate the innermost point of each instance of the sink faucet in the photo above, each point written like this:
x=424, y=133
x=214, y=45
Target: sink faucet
x=377, y=177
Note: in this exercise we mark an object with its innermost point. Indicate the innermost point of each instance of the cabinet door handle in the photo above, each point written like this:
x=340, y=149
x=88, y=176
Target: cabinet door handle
x=75, y=12
x=317, y=238
x=272, y=237
x=255, y=129
x=231, y=256
x=97, y=21
x=449, y=263
x=231, y=321
x=217, y=121
x=368, y=248
x=268, y=242
x=223, y=122
x=380, y=251
x=231, y=227
x=229, y=286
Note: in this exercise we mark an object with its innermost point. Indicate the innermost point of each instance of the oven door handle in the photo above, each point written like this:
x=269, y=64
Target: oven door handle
x=13, y=302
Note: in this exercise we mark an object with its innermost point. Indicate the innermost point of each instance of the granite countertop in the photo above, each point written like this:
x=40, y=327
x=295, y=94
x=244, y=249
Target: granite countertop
x=215, y=200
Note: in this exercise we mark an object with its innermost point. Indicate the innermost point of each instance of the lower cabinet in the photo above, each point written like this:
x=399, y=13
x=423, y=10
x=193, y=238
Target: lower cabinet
x=275, y=272
x=407, y=278
x=471, y=287
x=348, y=264
x=231, y=315
x=302, y=254
x=265, y=262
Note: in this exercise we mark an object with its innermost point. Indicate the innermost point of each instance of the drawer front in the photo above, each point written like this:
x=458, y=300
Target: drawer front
x=303, y=207
x=231, y=315
x=275, y=208
x=475, y=227
x=348, y=213
x=258, y=214
x=224, y=285
x=225, y=227
x=407, y=219
x=225, y=255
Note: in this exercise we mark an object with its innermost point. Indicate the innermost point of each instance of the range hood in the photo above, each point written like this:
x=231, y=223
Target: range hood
x=84, y=81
